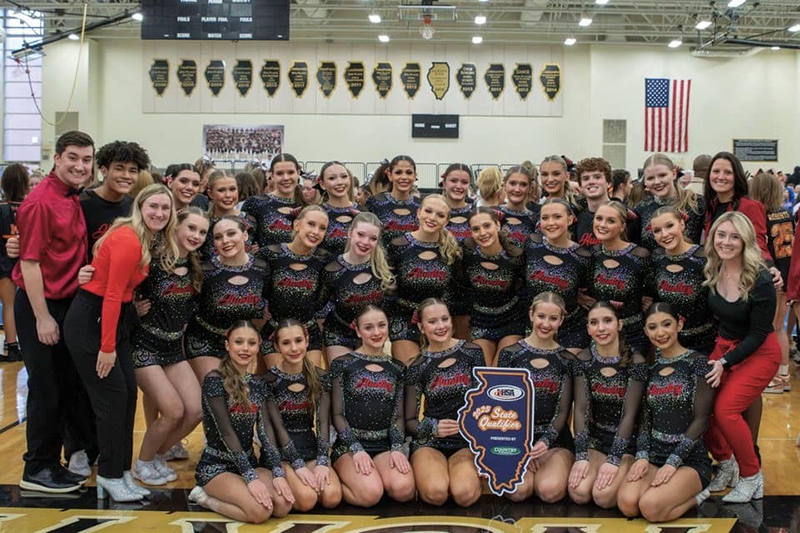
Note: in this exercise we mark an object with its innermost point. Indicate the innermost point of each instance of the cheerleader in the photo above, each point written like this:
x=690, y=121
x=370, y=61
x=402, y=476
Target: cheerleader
x=15, y=185
x=440, y=457
x=679, y=279
x=425, y=264
x=747, y=354
x=184, y=182
x=661, y=179
x=294, y=288
x=359, y=277
x=672, y=461
x=456, y=182
x=554, y=177
x=554, y=263
x=230, y=480
x=367, y=406
x=397, y=207
x=492, y=270
x=609, y=384
x=223, y=194
x=302, y=396
x=336, y=183
x=517, y=219
x=234, y=287
x=551, y=370
x=621, y=273
x=274, y=212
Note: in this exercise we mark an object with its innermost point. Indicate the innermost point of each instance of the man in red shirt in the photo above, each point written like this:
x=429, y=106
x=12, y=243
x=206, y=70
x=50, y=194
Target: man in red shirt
x=53, y=248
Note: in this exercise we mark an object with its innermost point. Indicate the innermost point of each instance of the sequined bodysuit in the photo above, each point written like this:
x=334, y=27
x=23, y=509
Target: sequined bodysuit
x=397, y=216
x=273, y=218
x=339, y=219
x=519, y=224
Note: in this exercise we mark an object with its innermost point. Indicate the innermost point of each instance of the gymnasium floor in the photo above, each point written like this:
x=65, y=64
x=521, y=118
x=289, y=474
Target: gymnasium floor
x=168, y=510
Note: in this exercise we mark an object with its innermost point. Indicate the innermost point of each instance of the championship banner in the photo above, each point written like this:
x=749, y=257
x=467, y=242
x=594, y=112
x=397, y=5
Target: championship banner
x=497, y=421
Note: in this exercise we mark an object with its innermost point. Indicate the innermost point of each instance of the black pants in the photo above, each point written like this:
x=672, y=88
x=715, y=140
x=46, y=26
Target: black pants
x=52, y=382
x=113, y=398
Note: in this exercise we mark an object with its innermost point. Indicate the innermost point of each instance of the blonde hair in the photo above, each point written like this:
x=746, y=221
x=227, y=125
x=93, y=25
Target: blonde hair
x=143, y=180
x=687, y=200
x=490, y=183
x=423, y=305
x=169, y=243
x=194, y=257
x=752, y=263
x=549, y=298
x=303, y=212
x=622, y=211
x=448, y=245
x=213, y=178
x=766, y=188
x=566, y=190
x=378, y=263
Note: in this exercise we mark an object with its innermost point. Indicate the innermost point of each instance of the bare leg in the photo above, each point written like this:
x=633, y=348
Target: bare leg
x=632, y=491
x=8, y=292
x=465, y=485
x=233, y=499
x=461, y=327
x=315, y=356
x=332, y=352
x=550, y=482
x=400, y=487
x=154, y=383
x=669, y=502
x=582, y=494
x=185, y=382
x=358, y=489
x=404, y=351
x=305, y=498
x=607, y=497
x=504, y=343
x=431, y=475
x=489, y=350
x=202, y=365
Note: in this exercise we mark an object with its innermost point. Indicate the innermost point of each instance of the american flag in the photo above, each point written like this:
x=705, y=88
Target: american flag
x=666, y=115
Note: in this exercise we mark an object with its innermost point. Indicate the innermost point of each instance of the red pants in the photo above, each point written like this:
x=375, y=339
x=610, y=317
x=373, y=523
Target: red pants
x=728, y=433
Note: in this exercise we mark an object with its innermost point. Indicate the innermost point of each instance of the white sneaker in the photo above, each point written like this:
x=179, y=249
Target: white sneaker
x=79, y=464
x=198, y=495
x=163, y=470
x=145, y=471
x=176, y=453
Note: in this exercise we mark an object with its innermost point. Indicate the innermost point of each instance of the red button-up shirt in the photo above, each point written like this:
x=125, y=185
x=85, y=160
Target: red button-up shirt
x=52, y=231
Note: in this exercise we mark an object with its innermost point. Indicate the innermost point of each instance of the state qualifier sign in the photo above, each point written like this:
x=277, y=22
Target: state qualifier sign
x=497, y=422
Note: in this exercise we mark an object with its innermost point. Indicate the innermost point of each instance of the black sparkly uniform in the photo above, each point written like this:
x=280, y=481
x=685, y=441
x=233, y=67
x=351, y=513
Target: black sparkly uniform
x=563, y=271
x=157, y=336
x=339, y=219
x=228, y=428
x=694, y=220
x=8, y=229
x=367, y=406
x=443, y=378
x=458, y=226
x=293, y=291
x=552, y=385
x=308, y=431
x=397, y=216
x=207, y=250
x=677, y=404
x=495, y=282
x=607, y=407
x=273, y=218
x=622, y=278
x=780, y=237
x=519, y=224
x=222, y=303
x=347, y=298
x=679, y=282
x=417, y=279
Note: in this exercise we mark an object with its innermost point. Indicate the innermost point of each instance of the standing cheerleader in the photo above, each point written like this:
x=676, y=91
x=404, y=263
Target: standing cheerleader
x=661, y=179
x=493, y=269
x=223, y=194
x=517, y=219
x=15, y=186
x=609, y=384
x=424, y=263
x=456, y=182
x=234, y=285
x=302, y=396
x=397, y=208
x=679, y=280
x=440, y=457
x=121, y=262
x=747, y=354
x=621, y=273
x=230, y=480
x=295, y=285
x=336, y=183
x=672, y=463
x=184, y=182
x=274, y=212
x=551, y=370
x=367, y=406
x=554, y=177
x=361, y=276
x=554, y=263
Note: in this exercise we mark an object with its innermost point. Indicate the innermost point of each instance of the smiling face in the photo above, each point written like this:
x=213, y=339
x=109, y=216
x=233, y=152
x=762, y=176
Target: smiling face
x=373, y=329
x=229, y=239
x=485, y=230
x=546, y=318
x=120, y=177
x=292, y=344
x=433, y=215
x=336, y=182
x=403, y=175
x=517, y=187
x=660, y=181
x=555, y=220
x=191, y=233
x=311, y=229
x=242, y=345
x=74, y=165
x=553, y=176
x=363, y=238
x=285, y=178
x=156, y=212
x=224, y=193
x=593, y=184
x=185, y=186
x=603, y=326
x=721, y=178
x=436, y=324
x=727, y=241
x=662, y=329
x=456, y=186
x=607, y=224
x=668, y=231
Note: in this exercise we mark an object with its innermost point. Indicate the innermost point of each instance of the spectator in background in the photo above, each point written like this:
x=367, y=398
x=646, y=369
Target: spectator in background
x=794, y=177
x=490, y=187
x=247, y=185
x=143, y=180
x=699, y=172
x=637, y=194
x=310, y=193
x=36, y=177
x=15, y=186
x=158, y=177
x=620, y=184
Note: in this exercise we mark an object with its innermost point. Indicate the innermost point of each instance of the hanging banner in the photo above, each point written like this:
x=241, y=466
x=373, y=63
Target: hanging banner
x=298, y=77
x=522, y=77
x=187, y=75
x=243, y=76
x=550, y=79
x=382, y=78
x=215, y=76
x=271, y=76
x=467, y=78
x=326, y=77
x=497, y=422
x=411, y=77
x=439, y=78
x=495, y=78
x=354, y=77
x=159, y=75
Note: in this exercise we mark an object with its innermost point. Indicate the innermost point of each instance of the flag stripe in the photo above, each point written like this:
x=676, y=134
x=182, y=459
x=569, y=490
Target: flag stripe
x=666, y=119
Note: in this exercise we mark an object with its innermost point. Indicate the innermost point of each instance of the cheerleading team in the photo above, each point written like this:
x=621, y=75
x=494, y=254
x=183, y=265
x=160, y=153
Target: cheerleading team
x=338, y=197
x=396, y=207
x=223, y=195
x=517, y=219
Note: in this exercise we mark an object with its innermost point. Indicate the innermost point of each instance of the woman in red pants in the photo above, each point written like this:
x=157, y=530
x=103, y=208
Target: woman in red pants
x=747, y=355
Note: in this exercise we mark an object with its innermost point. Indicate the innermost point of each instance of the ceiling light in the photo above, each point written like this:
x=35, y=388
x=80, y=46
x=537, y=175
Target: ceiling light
x=675, y=43
x=795, y=28
x=73, y=37
x=374, y=18
x=480, y=20
x=477, y=39
x=137, y=16
x=586, y=20
x=601, y=2
x=776, y=48
x=383, y=38
x=736, y=3
x=569, y=41
x=702, y=24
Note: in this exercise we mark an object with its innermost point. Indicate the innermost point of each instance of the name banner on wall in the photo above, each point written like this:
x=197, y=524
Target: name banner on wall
x=351, y=79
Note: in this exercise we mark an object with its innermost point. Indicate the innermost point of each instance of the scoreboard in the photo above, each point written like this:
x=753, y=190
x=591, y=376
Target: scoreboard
x=216, y=20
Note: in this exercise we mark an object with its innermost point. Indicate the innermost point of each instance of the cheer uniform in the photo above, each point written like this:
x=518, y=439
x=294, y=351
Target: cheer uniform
x=679, y=282
x=397, y=216
x=519, y=224
x=444, y=385
x=458, y=226
x=8, y=229
x=339, y=220
x=157, y=337
x=367, y=405
x=677, y=404
x=222, y=303
x=552, y=385
x=563, y=271
x=273, y=218
x=607, y=406
x=694, y=220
